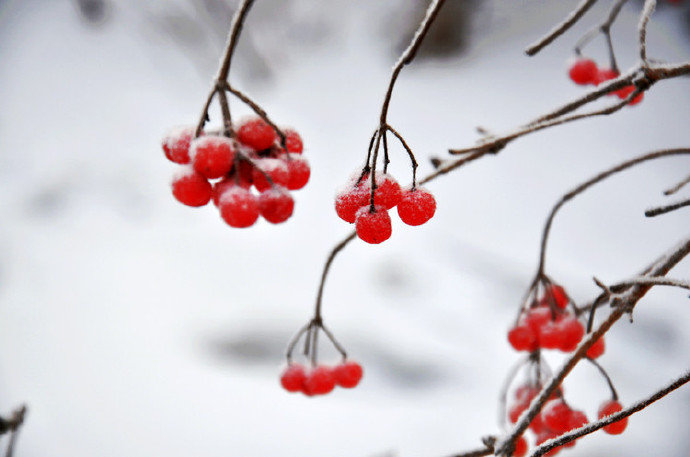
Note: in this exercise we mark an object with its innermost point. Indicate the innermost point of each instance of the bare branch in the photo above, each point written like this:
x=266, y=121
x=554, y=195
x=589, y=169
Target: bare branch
x=646, y=14
x=594, y=426
x=677, y=187
x=666, y=209
x=561, y=28
x=654, y=280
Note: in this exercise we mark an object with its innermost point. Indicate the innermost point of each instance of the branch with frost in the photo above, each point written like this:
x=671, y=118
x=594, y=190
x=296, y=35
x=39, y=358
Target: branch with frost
x=561, y=28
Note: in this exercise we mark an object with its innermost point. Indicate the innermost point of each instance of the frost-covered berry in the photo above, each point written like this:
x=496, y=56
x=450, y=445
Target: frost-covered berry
x=522, y=338
x=276, y=169
x=212, y=156
x=373, y=227
x=572, y=331
x=583, y=71
x=276, y=205
x=560, y=297
x=191, y=189
x=611, y=407
x=293, y=142
x=597, y=349
x=556, y=415
x=320, y=381
x=176, y=144
x=238, y=207
x=387, y=192
x=416, y=206
x=298, y=172
x=256, y=134
x=625, y=93
x=293, y=377
x=348, y=374
x=349, y=200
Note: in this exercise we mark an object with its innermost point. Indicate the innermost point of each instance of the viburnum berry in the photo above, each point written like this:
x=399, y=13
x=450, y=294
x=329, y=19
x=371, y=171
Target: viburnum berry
x=583, y=71
x=320, y=381
x=276, y=205
x=538, y=317
x=577, y=419
x=373, y=227
x=212, y=155
x=191, y=188
x=293, y=142
x=349, y=200
x=572, y=331
x=523, y=338
x=626, y=91
x=238, y=207
x=244, y=173
x=597, y=349
x=276, y=169
x=293, y=377
x=550, y=336
x=560, y=298
x=545, y=436
x=556, y=415
x=611, y=407
x=520, y=447
x=387, y=193
x=256, y=134
x=298, y=172
x=605, y=74
x=416, y=206
x=348, y=374
x=176, y=144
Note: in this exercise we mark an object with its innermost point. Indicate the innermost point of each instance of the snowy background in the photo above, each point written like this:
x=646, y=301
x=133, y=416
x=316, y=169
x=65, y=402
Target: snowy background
x=134, y=326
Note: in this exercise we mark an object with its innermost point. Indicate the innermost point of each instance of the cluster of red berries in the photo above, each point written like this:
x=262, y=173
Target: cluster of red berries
x=585, y=71
x=550, y=325
x=253, y=158
x=557, y=417
x=320, y=379
x=373, y=225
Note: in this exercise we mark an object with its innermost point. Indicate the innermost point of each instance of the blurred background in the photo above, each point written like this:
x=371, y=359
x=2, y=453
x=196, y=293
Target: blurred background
x=134, y=326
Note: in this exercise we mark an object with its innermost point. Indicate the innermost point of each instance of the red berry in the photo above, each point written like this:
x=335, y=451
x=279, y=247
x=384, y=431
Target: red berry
x=176, y=144
x=605, y=74
x=626, y=91
x=536, y=318
x=416, y=206
x=293, y=378
x=526, y=393
x=606, y=409
x=238, y=207
x=276, y=169
x=349, y=200
x=212, y=156
x=545, y=436
x=520, y=447
x=388, y=192
x=560, y=298
x=516, y=411
x=537, y=425
x=373, y=227
x=577, y=419
x=244, y=170
x=220, y=187
x=556, y=415
x=191, y=189
x=572, y=331
x=320, y=381
x=293, y=142
x=550, y=336
x=522, y=338
x=597, y=349
x=583, y=71
x=298, y=172
x=256, y=134
x=276, y=205
x=348, y=374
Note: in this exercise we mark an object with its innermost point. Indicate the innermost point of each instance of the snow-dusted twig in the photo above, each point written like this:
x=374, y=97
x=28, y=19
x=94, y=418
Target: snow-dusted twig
x=654, y=280
x=605, y=29
x=594, y=426
x=647, y=10
x=13, y=424
x=561, y=28
x=666, y=209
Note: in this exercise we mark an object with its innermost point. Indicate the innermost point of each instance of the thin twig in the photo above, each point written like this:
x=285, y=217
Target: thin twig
x=677, y=187
x=594, y=426
x=257, y=109
x=561, y=28
x=589, y=183
x=327, y=266
x=409, y=153
x=646, y=14
x=655, y=280
x=666, y=209
x=231, y=43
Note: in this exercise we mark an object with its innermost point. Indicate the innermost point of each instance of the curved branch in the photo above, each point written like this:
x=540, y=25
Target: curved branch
x=561, y=28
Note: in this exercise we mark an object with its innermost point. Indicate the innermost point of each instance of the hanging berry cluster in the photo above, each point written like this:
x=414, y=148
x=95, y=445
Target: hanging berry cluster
x=254, y=157
x=318, y=379
x=585, y=71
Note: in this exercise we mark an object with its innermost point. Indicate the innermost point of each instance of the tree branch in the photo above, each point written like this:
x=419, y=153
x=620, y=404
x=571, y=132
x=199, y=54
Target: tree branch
x=561, y=28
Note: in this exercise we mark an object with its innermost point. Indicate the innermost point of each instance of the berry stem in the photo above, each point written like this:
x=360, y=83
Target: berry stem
x=503, y=396
x=614, y=394
x=257, y=109
x=337, y=345
x=605, y=29
x=233, y=36
x=409, y=152
x=561, y=28
x=326, y=268
x=225, y=111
